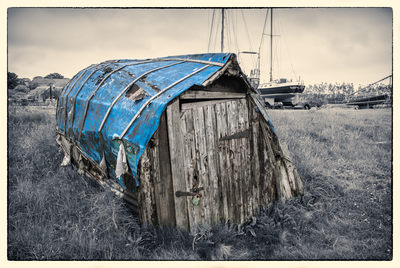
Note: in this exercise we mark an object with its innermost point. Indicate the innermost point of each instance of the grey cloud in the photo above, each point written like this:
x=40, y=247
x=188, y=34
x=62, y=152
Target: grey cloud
x=323, y=41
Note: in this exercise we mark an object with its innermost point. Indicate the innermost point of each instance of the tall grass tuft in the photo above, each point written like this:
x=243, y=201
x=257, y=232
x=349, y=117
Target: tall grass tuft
x=344, y=158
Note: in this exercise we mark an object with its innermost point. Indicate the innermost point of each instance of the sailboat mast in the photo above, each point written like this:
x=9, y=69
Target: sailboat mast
x=222, y=30
x=270, y=70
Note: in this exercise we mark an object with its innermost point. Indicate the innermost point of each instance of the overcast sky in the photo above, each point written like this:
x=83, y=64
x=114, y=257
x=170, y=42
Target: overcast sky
x=318, y=44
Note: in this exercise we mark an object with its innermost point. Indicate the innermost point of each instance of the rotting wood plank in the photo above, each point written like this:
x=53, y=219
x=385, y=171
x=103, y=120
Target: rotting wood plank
x=201, y=155
x=250, y=196
x=291, y=179
x=299, y=182
x=221, y=130
x=189, y=166
x=196, y=104
x=283, y=185
x=155, y=173
x=247, y=171
x=264, y=165
x=282, y=177
x=295, y=182
x=146, y=209
x=247, y=180
x=163, y=186
x=176, y=156
x=188, y=171
x=197, y=178
x=204, y=94
x=242, y=180
x=232, y=112
x=255, y=162
x=239, y=159
x=211, y=147
x=230, y=166
x=266, y=171
x=198, y=211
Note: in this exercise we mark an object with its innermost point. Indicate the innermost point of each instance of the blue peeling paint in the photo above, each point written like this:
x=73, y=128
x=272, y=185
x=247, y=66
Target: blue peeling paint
x=93, y=142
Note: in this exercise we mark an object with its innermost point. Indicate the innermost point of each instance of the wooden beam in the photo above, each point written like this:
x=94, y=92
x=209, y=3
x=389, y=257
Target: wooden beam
x=177, y=168
x=189, y=149
x=254, y=152
x=245, y=178
x=146, y=187
x=197, y=104
x=163, y=184
x=203, y=94
x=202, y=159
x=223, y=154
x=234, y=154
x=212, y=157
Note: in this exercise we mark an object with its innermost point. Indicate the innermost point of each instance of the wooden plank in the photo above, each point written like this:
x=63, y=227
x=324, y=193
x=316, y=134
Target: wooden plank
x=274, y=178
x=163, y=185
x=196, y=104
x=295, y=182
x=153, y=148
x=283, y=185
x=232, y=112
x=190, y=167
x=299, y=182
x=290, y=176
x=245, y=180
x=250, y=196
x=241, y=180
x=223, y=157
x=203, y=94
x=229, y=157
x=155, y=171
x=176, y=155
x=266, y=169
x=146, y=208
x=201, y=156
x=212, y=156
x=230, y=165
x=255, y=161
x=153, y=176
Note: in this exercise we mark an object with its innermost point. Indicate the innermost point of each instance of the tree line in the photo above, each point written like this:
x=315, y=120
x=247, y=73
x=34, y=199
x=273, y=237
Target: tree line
x=328, y=92
x=13, y=80
x=337, y=92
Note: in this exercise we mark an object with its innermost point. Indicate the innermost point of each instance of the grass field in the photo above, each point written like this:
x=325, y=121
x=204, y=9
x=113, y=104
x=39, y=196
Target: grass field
x=343, y=156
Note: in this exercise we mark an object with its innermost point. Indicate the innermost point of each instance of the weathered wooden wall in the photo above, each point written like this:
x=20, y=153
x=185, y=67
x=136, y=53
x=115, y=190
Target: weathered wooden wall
x=226, y=151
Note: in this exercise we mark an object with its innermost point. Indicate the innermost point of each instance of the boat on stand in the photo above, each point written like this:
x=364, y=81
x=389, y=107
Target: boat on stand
x=276, y=91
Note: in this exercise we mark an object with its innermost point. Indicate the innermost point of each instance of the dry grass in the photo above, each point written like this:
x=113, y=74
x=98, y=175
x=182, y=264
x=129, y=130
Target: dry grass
x=343, y=156
x=345, y=159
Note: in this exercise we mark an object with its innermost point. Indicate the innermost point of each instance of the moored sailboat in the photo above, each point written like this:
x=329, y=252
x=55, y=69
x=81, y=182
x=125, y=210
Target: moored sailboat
x=281, y=90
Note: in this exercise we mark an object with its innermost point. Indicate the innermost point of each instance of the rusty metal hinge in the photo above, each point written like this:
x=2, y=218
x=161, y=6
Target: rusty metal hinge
x=193, y=192
x=238, y=135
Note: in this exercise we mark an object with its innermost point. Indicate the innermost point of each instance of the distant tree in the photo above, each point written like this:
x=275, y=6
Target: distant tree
x=54, y=76
x=33, y=85
x=22, y=88
x=12, y=80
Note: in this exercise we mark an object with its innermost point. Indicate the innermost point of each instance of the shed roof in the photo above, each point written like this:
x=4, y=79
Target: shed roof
x=122, y=100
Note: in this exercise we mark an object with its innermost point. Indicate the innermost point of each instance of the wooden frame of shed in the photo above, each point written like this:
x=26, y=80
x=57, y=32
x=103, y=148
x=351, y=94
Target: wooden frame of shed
x=221, y=151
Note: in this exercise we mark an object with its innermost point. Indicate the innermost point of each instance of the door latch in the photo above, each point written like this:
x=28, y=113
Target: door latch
x=193, y=192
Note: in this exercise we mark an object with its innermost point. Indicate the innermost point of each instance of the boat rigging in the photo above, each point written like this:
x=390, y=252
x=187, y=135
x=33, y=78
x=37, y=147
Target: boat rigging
x=275, y=91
